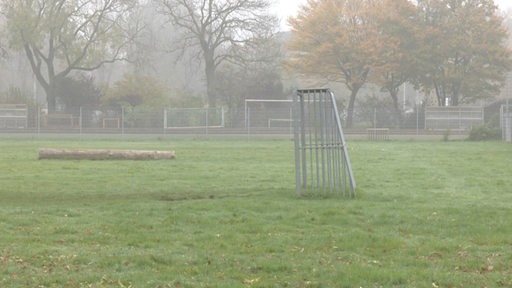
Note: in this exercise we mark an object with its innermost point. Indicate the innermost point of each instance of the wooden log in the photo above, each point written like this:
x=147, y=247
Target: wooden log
x=88, y=154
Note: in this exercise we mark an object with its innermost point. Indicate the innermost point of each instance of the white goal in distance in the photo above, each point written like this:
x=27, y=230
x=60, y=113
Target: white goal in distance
x=268, y=113
x=190, y=118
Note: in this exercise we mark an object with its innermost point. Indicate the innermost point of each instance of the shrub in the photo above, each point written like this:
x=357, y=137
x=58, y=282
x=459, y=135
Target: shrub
x=484, y=132
x=136, y=90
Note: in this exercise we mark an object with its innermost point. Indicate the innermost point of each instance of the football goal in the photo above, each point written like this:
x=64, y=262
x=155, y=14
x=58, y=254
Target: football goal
x=193, y=118
x=322, y=163
x=268, y=113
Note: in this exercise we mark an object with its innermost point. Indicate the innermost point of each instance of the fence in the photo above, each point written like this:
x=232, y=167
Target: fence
x=506, y=122
x=277, y=114
x=453, y=118
x=260, y=117
x=13, y=116
x=111, y=119
x=194, y=118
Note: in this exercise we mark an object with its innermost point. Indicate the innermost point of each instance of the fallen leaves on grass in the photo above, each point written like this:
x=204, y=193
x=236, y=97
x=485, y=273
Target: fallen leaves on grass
x=251, y=281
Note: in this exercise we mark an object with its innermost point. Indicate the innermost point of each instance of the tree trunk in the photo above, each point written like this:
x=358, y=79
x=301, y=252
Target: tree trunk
x=441, y=96
x=455, y=95
x=46, y=153
x=51, y=98
x=396, y=107
x=351, y=104
x=49, y=85
x=210, y=79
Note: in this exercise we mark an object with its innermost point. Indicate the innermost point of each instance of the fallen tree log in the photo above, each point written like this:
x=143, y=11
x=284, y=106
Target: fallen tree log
x=89, y=154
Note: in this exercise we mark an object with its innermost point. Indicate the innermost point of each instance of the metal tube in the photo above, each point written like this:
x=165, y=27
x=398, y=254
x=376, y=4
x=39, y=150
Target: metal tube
x=296, y=139
x=327, y=145
x=206, y=120
x=323, y=126
x=345, y=152
x=122, y=120
x=311, y=142
x=303, y=143
x=333, y=149
x=80, y=122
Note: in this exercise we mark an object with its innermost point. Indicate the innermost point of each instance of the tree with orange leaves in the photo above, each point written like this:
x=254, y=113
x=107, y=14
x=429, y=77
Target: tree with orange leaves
x=398, y=41
x=455, y=48
x=335, y=40
x=463, y=56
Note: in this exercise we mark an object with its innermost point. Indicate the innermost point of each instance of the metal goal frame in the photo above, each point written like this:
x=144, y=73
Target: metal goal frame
x=322, y=163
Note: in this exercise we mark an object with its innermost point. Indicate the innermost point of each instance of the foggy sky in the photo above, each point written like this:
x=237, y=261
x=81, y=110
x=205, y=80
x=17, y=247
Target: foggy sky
x=287, y=8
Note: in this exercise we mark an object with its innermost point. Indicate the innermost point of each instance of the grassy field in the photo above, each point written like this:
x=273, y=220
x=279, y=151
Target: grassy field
x=224, y=214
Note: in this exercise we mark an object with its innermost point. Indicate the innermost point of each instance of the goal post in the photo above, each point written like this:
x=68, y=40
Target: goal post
x=268, y=113
x=175, y=118
x=322, y=163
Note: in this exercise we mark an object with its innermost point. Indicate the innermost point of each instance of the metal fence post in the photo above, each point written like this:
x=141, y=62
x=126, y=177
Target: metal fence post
x=80, y=121
x=38, y=120
x=165, y=121
x=122, y=120
x=206, y=121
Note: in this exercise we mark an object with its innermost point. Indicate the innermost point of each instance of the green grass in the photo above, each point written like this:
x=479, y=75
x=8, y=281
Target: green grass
x=224, y=214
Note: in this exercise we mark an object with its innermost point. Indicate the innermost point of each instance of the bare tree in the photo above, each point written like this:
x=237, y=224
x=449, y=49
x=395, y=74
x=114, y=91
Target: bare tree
x=222, y=29
x=61, y=36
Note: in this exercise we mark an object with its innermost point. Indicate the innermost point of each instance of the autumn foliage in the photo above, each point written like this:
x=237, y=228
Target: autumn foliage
x=454, y=49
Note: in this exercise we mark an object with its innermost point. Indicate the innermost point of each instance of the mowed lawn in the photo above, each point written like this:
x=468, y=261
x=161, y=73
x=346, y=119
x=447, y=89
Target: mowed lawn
x=224, y=214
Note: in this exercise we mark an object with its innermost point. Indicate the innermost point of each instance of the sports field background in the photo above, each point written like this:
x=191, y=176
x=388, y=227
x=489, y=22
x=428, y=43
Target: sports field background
x=224, y=214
